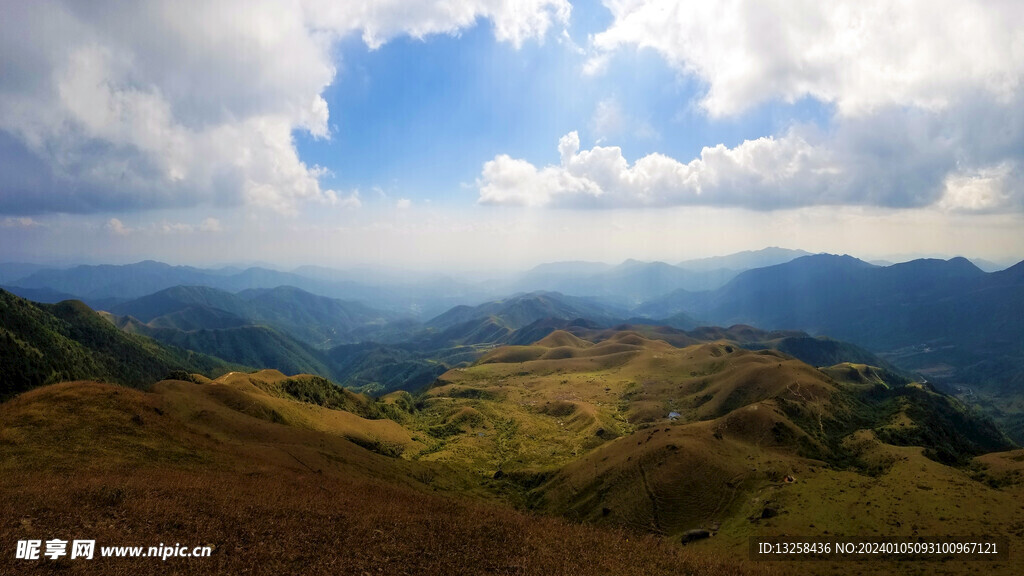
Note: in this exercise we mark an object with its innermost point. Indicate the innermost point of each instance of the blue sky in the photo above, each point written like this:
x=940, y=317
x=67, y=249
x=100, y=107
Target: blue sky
x=494, y=133
x=418, y=117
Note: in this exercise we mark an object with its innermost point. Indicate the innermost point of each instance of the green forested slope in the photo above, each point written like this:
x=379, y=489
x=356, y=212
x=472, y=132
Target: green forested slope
x=46, y=343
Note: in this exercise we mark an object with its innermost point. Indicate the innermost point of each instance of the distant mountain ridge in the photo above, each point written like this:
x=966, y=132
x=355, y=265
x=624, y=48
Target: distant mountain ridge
x=745, y=260
x=114, y=283
x=836, y=295
x=317, y=320
x=946, y=319
x=517, y=311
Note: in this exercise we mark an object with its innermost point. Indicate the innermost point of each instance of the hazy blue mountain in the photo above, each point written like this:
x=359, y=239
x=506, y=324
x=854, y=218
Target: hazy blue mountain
x=317, y=320
x=764, y=296
x=518, y=311
x=377, y=368
x=544, y=276
x=127, y=281
x=178, y=298
x=836, y=295
x=638, y=281
x=745, y=260
x=380, y=275
x=945, y=318
x=50, y=296
x=679, y=321
x=988, y=265
x=626, y=284
x=260, y=346
x=14, y=271
x=45, y=295
x=423, y=297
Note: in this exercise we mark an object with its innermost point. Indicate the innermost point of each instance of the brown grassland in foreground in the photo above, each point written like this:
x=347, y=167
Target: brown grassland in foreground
x=287, y=502
x=594, y=478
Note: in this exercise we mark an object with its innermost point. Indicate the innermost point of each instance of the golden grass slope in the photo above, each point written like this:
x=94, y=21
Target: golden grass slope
x=568, y=399
x=566, y=427
x=747, y=455
x=192, y=464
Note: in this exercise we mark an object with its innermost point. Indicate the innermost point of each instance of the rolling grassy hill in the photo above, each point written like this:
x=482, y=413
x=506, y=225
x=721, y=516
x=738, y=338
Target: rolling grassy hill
x=640, y=434
x=759, y=443
x=960, y=327
x=276, y=485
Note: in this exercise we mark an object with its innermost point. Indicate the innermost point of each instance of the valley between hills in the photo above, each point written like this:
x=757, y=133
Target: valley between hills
x=537, y=434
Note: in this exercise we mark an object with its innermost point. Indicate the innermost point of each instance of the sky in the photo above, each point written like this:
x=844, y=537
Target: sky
x=490, y=134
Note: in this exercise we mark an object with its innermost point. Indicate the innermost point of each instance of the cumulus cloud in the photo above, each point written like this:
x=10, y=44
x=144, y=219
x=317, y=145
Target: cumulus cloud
x=895, y=160
x=115, y=226
x=927, y=102
x=982, y=190
x=106, y=105
x=210, y=225
x=766, y=172
x=22, y=222
x=514, y=21
x=857, y=54
x=403, y=204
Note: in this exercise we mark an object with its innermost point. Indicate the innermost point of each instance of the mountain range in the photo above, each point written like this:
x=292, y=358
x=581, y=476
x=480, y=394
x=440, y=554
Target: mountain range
x=957, y=326
x=419, y=294
x=823, y=391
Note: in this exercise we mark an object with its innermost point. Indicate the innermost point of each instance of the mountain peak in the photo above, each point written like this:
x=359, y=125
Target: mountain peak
x=958, y=267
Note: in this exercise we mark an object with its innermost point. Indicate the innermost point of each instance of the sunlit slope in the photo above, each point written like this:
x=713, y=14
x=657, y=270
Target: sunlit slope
x=672, y=479
x=566, y=396
x=276, y=485
x=637, y=433
x=237, y=421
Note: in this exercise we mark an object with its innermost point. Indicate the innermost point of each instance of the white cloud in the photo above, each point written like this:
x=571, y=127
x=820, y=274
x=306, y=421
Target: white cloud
x=350, y=201
x=403, y=204
x=981, y=190
x=928, y=101
x=22, y=222
x=210, y=225
x=176, y=228
x=762, y=173
x=117, y=227
x=514, y=21
x=858, y=54
x=153, y=104
x=893, y=161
